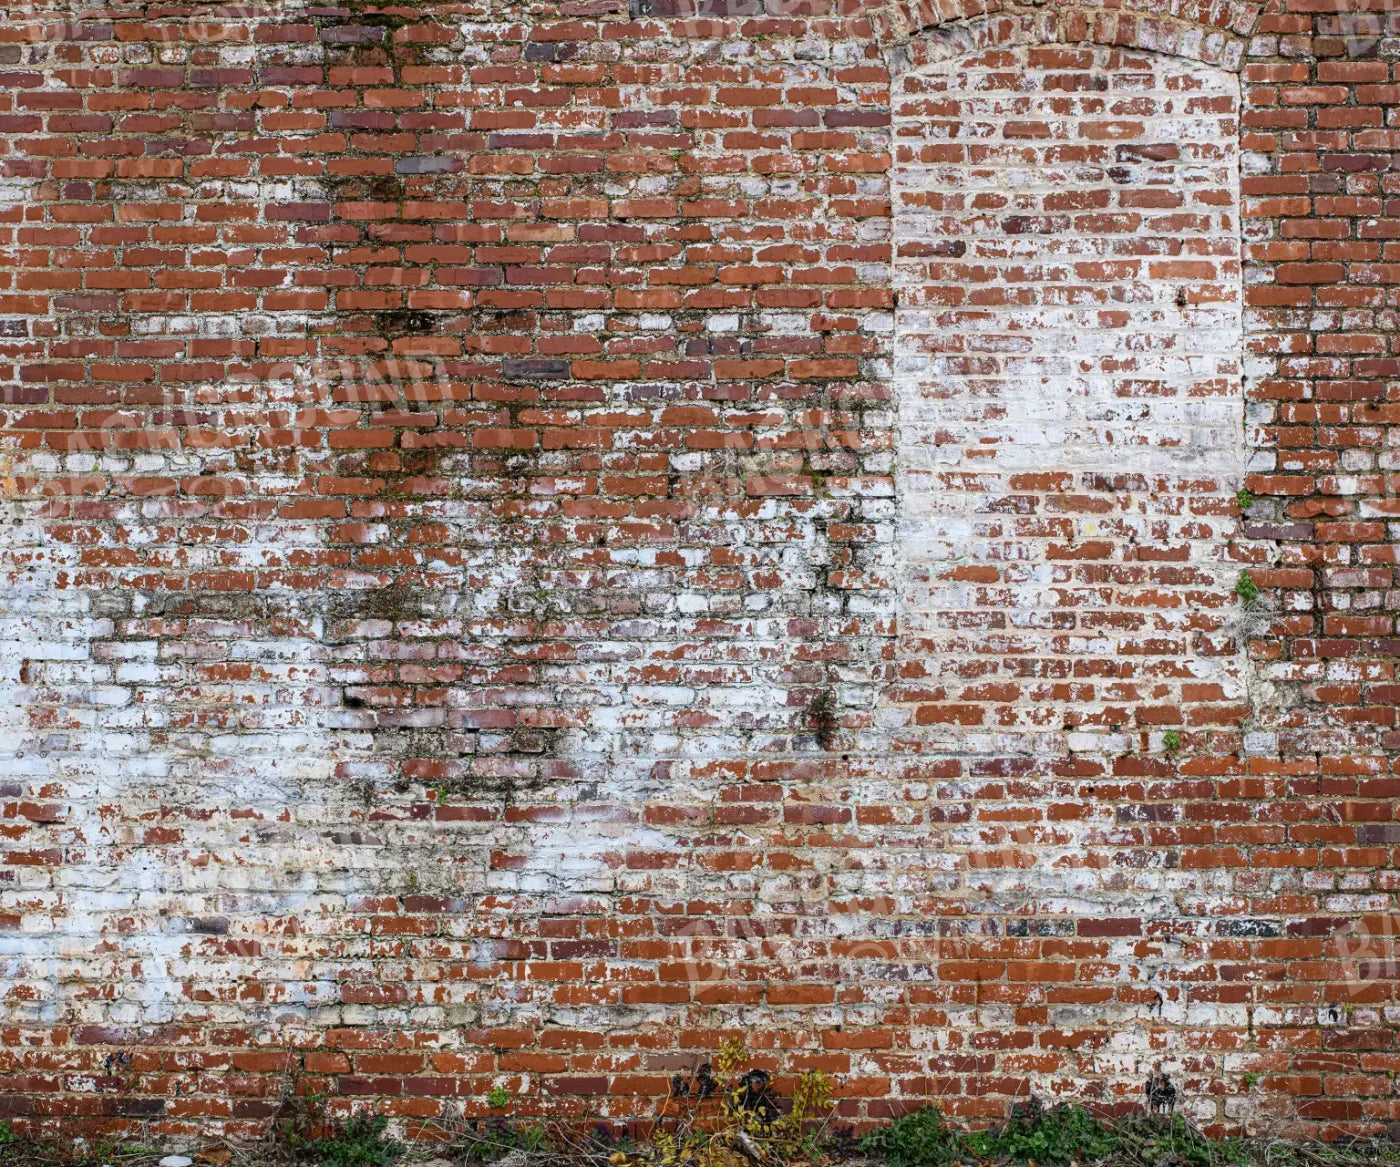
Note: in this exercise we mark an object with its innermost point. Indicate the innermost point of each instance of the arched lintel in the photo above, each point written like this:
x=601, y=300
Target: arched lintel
x=917, y=33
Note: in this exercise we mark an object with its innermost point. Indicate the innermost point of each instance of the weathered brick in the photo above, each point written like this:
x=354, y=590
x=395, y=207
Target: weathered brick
x=697, y=519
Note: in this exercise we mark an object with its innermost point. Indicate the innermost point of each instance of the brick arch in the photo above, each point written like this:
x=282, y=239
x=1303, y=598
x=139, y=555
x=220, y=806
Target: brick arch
x=916, y=33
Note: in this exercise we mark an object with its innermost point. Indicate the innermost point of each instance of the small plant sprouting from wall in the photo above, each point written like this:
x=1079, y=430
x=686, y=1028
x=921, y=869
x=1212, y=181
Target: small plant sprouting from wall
x=1247, y=589
x=822, y=719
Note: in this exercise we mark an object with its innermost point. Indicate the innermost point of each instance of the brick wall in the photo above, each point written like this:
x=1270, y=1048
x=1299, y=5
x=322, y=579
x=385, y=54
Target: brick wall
x=512, y=574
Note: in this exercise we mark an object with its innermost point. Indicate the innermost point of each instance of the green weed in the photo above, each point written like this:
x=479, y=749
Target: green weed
x=360, y=1143
x=920, y=1139
x=1059, y=1135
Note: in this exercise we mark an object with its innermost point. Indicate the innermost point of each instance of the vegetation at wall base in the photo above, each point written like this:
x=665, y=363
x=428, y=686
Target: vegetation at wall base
x=360, y=1143
x=1063, y=1135
x=725, y=1113
x=1060, y=1135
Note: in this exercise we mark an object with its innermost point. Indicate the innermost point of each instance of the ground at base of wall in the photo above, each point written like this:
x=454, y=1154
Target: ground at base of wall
x=1063, y=1135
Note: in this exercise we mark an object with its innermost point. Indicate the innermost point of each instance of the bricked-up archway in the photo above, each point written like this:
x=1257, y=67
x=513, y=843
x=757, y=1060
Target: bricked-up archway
x=1068, y=367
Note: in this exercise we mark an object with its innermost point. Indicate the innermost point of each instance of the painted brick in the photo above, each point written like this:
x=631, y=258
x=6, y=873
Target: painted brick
x=539, y=540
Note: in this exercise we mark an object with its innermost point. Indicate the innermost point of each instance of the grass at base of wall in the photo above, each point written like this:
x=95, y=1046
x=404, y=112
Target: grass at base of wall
x=1064, y=1135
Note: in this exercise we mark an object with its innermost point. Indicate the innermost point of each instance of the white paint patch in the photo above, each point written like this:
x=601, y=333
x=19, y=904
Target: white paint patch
x=160, y=857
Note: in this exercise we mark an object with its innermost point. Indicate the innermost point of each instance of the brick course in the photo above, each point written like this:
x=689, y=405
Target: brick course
x=464, y=584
